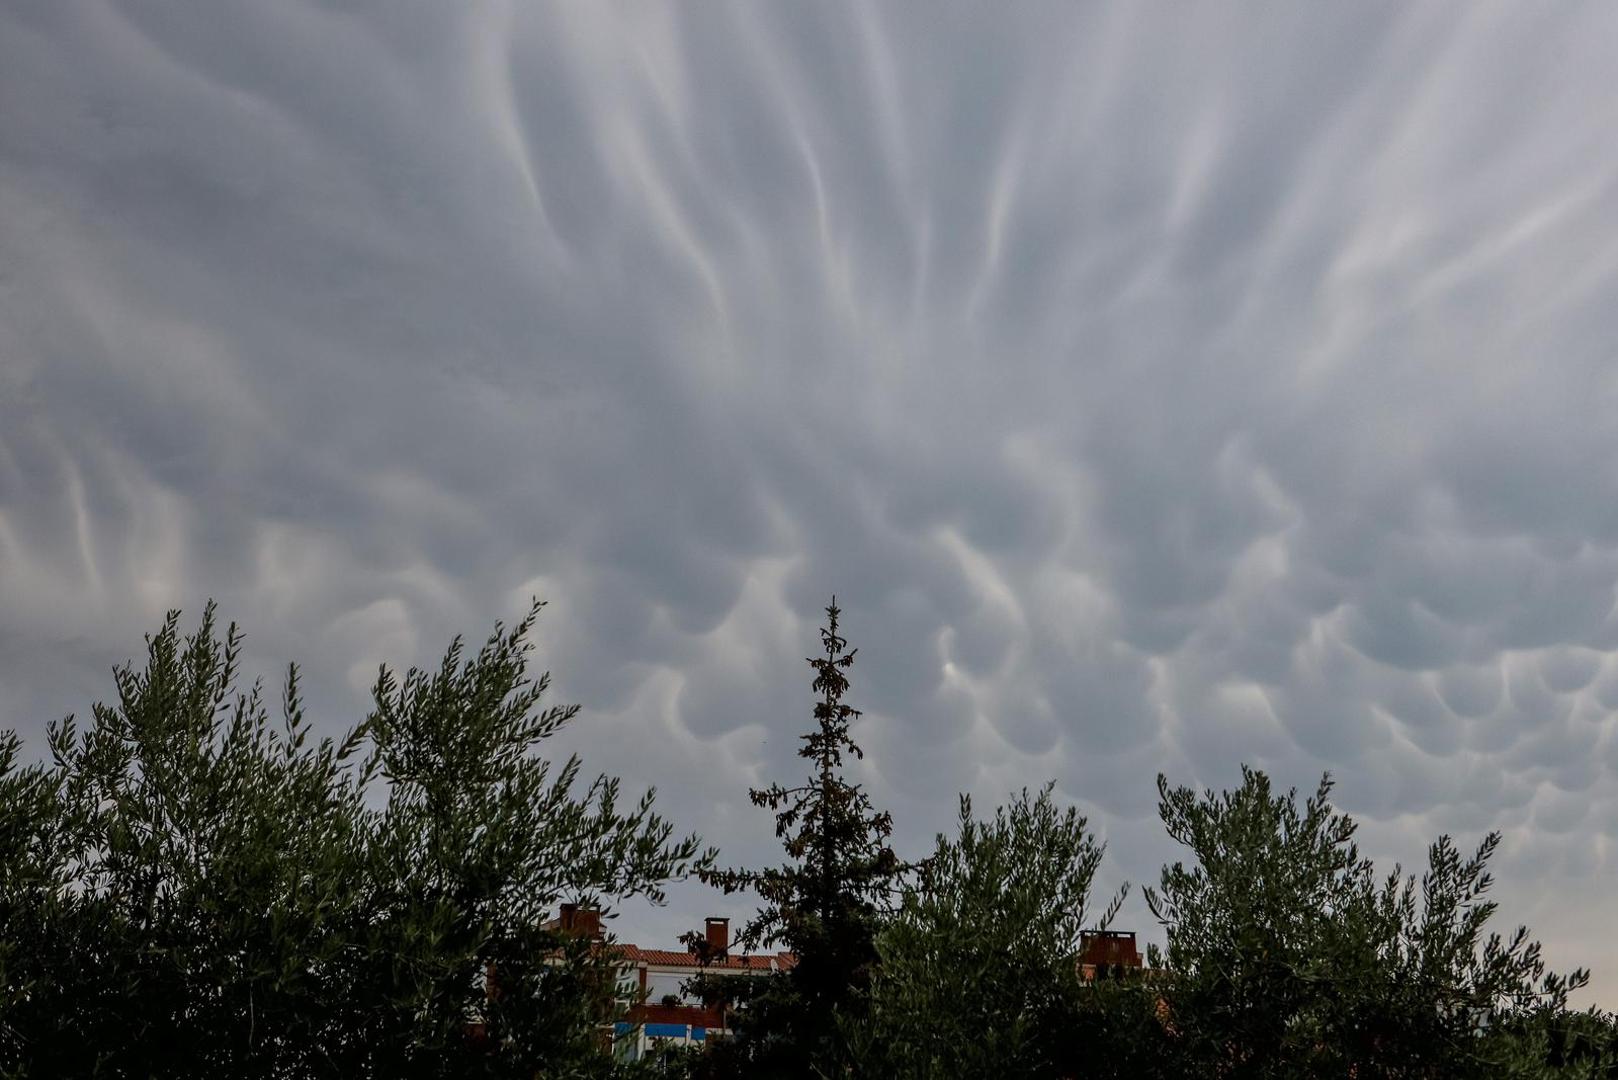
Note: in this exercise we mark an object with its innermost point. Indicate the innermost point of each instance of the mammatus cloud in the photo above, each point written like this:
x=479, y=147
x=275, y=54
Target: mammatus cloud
x=1158, y=391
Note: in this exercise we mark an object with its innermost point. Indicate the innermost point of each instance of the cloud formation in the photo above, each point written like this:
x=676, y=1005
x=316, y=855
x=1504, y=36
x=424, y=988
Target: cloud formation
x=1158, y=390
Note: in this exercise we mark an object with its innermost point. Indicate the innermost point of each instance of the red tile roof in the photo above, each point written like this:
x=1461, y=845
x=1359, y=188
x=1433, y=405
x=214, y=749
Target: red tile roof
x=681, y=958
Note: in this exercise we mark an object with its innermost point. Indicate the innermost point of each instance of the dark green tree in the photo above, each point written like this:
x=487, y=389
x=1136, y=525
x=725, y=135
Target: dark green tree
x=824, y=904
x=979, y=967
x=1560, y=1043
x=34, y=879
x=191, y=890
x=203, y=871
x=480, y=837
x=1288, y=955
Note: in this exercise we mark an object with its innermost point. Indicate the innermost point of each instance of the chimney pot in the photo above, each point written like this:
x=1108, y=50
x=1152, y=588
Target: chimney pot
x=718, y=934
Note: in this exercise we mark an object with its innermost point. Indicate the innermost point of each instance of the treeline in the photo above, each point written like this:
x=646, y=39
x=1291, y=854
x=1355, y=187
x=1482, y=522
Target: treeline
x=188, y=889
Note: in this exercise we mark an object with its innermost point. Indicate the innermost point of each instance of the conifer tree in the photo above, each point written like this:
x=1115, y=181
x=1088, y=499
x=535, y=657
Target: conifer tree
x=824, y=904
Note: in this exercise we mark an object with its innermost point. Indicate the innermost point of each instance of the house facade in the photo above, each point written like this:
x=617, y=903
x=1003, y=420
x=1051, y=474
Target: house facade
x=663, y=1010
x=652, y=982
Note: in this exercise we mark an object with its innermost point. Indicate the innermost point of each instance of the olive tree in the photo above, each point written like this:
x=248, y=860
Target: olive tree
x=1287, y=951
x=978, y=972
x=189, y=888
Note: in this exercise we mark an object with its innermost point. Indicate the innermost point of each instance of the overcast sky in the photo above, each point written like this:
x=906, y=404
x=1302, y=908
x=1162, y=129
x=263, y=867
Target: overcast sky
x=1159, y=388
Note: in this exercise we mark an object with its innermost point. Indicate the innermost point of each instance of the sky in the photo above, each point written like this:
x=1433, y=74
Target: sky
x=1157, y=388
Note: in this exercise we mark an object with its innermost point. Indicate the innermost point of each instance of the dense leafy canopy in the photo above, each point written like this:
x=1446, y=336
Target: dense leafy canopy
x=187, y=889
x=1287, y=952
x=983, y=943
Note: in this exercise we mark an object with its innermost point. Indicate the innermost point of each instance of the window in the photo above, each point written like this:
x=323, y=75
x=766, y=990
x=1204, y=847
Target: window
x=661, y=984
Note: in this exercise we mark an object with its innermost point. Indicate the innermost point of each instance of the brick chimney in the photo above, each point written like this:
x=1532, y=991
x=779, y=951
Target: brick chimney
x=718, y=935
x=573, y=919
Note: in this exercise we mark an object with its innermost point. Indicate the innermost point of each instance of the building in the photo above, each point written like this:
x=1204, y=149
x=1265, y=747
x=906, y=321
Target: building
x=1108, y=954
x=661, y=1008
x=653, y=982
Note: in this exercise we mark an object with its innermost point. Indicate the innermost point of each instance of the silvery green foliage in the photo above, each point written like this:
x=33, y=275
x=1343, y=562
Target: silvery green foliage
x=1289, y=955
x=978, y=970
x=191, y=889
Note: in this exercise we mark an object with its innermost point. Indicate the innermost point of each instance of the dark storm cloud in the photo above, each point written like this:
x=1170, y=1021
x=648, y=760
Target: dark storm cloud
x=1159, y=391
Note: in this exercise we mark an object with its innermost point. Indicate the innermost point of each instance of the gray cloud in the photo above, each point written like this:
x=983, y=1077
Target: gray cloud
x=1158, y=391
